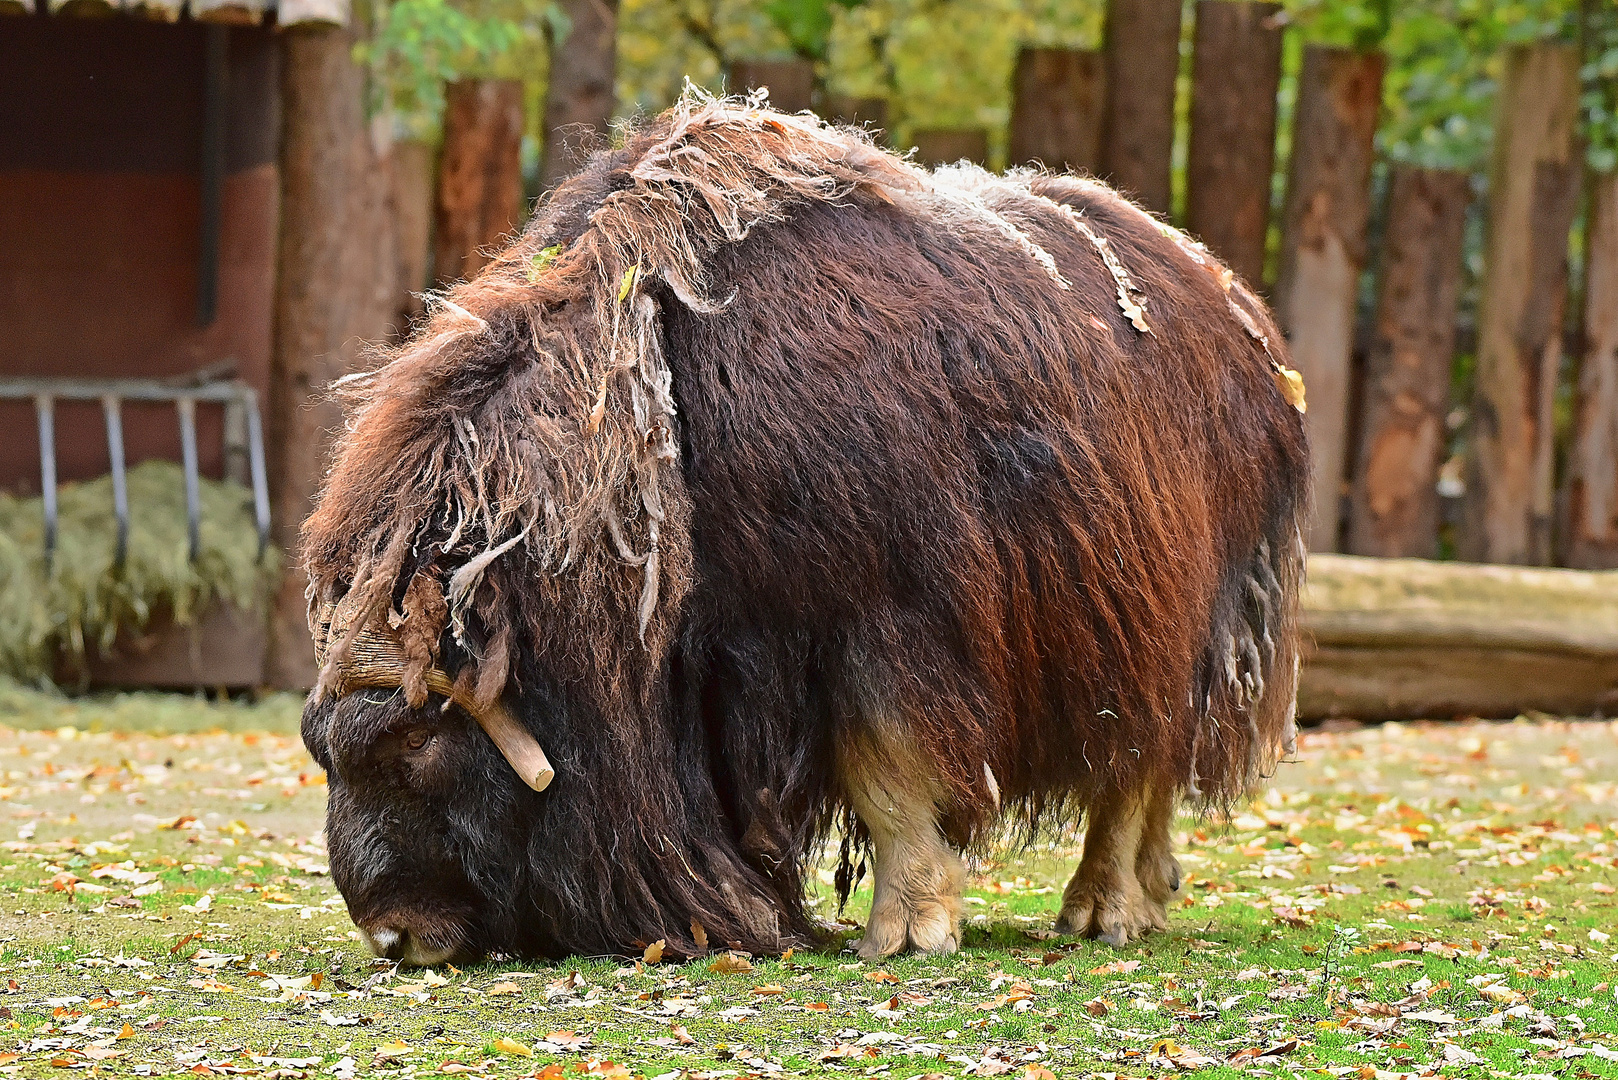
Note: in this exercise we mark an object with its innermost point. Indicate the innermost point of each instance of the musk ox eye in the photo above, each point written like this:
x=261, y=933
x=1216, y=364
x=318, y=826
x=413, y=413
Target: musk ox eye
x=417, y=738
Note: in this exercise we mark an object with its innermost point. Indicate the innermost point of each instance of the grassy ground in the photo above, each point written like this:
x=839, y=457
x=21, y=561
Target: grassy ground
x=1406, y=900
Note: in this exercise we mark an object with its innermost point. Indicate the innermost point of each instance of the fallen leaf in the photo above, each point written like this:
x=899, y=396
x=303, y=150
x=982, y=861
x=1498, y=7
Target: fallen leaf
x=699, y=936
x=512, y=1046
x=772, y=990
x=1433, y=1016
x=880, y=977
x=730, y=964
x=501, y=988
x=654, y=952
x=395, y=1049
x=1117, y=967
x=212, y=986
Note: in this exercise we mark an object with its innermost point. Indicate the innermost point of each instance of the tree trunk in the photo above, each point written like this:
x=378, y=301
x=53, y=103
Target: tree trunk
x=336, y=284
x=581, y=97
x=1592, y=527
x=479, y=175
x=1394, y=504
x=1236, y=70
x=1323, y=253
x=1404, y=638
x=791, y=83
x=1142, y=66
x=1056, y=109
x=412, y=176
x=946, y=146
x=1533, y=195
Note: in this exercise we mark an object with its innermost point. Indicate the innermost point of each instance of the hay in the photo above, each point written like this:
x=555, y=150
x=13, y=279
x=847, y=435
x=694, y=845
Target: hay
x=83, y=598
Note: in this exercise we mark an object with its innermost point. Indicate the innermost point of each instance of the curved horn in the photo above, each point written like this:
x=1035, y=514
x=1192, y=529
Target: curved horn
x=377, y=659
x=517, y=744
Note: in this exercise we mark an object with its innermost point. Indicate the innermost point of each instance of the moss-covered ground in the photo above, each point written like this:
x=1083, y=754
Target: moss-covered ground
x=1406, y=900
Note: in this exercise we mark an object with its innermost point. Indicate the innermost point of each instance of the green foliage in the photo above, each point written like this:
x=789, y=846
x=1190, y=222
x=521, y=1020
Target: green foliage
x=1444, y=64
x=1600, y=96
x=806, y=23
x=84, y=598
x=1439, y=94
x=938, y=63
x=416, y=46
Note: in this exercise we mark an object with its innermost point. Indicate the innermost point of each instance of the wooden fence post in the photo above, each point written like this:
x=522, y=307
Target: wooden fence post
x=1394, y=507
x=1236, y=71
x=336, y=284
x=581, y=95
x=946, y=146
x=871, y=113
x=1592, y=526
x=1057, y=100
x=1323, y=252
x=1142, y=64
x=791, y=83
x=1533, y=195
x=479, y=174
x=412, y=177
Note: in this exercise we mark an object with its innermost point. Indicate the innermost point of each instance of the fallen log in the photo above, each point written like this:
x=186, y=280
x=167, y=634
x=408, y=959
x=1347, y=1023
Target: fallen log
x=1393, y=639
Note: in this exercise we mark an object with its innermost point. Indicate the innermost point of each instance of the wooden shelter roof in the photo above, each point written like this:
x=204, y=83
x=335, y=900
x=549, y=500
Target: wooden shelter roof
x=230, y=12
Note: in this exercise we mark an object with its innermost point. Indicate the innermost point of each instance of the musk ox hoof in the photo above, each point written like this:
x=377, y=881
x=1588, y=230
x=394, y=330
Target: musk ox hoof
x=932, y=928
x=1116, y=914
x=1159, y=875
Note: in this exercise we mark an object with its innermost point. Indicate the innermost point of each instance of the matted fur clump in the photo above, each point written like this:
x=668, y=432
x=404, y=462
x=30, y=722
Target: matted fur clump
x=762, y=450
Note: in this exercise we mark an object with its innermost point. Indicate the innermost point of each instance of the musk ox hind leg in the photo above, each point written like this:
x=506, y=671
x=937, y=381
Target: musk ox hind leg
x=918, y=876
x=1128, y=872
x=1156, y=868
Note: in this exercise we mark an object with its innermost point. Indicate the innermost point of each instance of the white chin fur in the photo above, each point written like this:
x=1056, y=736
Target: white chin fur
x=385, y=942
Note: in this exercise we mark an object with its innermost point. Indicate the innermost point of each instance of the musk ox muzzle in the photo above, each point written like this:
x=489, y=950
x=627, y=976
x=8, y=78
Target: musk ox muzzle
x=773, y=488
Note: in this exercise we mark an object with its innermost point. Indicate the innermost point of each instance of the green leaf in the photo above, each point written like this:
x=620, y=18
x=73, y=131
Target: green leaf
x=542, y=260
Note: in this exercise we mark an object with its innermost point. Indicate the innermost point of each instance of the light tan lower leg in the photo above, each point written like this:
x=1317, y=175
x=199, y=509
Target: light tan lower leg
x=1128, y=873
x=1156, y=868
x=917, y=901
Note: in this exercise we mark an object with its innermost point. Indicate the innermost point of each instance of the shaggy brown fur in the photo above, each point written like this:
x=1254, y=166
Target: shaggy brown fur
x=762, y=441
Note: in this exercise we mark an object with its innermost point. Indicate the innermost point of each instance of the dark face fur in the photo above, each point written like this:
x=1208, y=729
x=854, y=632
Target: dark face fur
x=426, y=826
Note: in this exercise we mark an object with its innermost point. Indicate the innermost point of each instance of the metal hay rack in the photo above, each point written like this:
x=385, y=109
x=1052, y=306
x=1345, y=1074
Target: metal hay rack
x=243, y=425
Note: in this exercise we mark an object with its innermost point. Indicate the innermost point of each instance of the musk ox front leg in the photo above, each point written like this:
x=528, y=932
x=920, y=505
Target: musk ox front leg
x=1128, y=873
x=919, y=877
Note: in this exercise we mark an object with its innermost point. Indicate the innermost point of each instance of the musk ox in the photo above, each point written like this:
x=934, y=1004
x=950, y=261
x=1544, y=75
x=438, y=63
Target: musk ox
x=768, y=486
